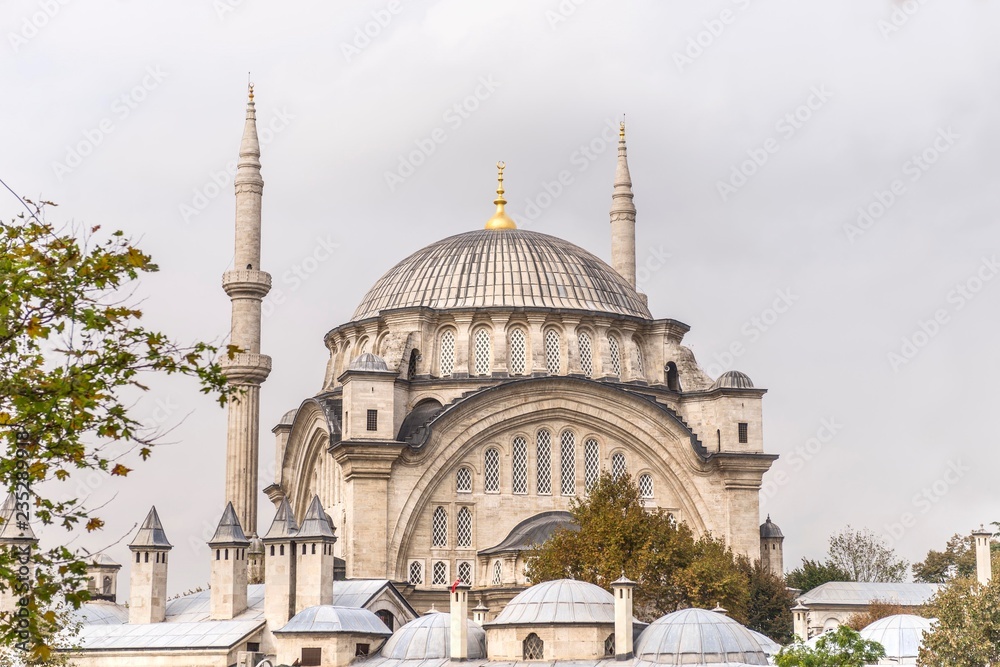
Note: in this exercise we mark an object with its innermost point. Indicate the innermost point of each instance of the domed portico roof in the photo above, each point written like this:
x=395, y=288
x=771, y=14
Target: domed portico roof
x=560, y=601
x=503, y=268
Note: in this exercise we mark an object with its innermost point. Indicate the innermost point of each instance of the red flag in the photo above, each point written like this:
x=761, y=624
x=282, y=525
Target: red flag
x=454, y=586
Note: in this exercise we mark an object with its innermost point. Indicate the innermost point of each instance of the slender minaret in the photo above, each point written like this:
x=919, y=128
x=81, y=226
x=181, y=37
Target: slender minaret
x=623, y=217
x=246, y=286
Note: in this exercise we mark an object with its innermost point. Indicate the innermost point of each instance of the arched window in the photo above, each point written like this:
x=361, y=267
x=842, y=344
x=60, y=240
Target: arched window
x=543, y=452
x=440, y=573
x=463, y=480
x=439, y=528
x=618, y=465
x=591, y=464
x=491, y=471
x=416, y=573
x=519, y=466
x=586, y=353
x=362, y=346
x=465, y=572
x=640, y=365
x=446, y=350
x=386, y=617
x=645, y=485
x=553, y=357
x=463, y=528
x=411, y=367
x=497, y=573
x=533, y=648
x=609, y=646
x=673, y=377
x=518, y=352
x=615, y=349
x=484, y=352
x=107, y=586
x=567, y=463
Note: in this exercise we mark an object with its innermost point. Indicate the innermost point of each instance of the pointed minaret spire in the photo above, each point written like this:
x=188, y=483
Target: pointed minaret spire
x=623, y=216
x=246, y=286
x=500, y=219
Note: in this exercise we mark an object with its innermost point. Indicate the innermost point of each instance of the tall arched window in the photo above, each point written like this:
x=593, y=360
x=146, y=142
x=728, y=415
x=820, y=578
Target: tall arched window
x=518, y=352
x=439, y=528
x=463, y=480
x=567, y=463
x=463, y=528
x=645, y=485
x=440, y=573
x=465, y=572
x=615, y=350
x=543, y=451
x=618, y=465
x=553, y=356
x=519, y=466
x=491, y=471
x=673, y=377
x=362, y=346
x=586, y=353
x=484, y=352
x=591, y=464
x=446, y=351
x=416, y=573
x=638, y=360
x=497, y=573
x=411, y=367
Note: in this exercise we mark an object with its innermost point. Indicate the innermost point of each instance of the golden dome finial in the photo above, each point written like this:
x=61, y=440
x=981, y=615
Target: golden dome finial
x=250, y=86
x=621, y=131
x=500, y=219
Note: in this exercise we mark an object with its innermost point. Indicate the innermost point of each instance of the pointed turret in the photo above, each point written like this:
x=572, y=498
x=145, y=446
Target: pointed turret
x=279, y=567
x=148, y=590
x=623, y=216
x=283, y=526
x=151, y=534
x=314, y=570
x=229, y=567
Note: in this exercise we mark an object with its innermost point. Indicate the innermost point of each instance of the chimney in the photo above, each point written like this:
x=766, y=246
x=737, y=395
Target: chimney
x=984, y=559
x=800, y=621
x=459, y=621
x=480, y=612
x=622, y=590
x=148, y=591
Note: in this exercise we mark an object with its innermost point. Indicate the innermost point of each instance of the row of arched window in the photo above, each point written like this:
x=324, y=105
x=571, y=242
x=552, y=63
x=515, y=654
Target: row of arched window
x=439, y=573
x=463, y=528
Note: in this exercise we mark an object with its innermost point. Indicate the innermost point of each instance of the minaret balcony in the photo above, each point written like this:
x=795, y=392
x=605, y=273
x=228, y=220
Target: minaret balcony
x=246, y=367
x=246, y=283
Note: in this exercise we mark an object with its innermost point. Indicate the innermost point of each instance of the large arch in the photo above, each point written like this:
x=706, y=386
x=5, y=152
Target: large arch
x=307, y=441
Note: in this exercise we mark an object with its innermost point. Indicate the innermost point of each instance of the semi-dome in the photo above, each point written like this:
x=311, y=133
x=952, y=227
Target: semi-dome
x=698, y=637
x=503, y=268
x=733, y=380
x=429, y=638
x=559, y=601
x=368, y=362
x=769, y=529
x=900, y=635
x=329, y=619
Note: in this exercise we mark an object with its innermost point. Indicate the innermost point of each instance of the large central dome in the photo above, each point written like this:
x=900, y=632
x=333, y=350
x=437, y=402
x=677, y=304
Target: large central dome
x=507, y=268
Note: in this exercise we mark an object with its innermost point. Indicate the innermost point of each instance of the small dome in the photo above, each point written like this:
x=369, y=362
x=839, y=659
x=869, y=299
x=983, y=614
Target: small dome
x=288, y=417
x=328, y=619
x=733, y=380
x=770, y=529
x=698, y=636
x=368, y=362
x=901, y=635
x=429, y=638
x=559, y=601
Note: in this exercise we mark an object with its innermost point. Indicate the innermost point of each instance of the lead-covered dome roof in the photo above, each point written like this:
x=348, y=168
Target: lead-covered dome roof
x=901, y=635
x=559, y=601
x=698, y=637
x=508, y=268
x=429, y=638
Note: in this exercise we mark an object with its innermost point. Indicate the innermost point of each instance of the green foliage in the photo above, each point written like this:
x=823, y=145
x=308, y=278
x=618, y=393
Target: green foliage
x=71, y=348
x=967, y=633
x=813, y=573
x=769, y=610
x=865, y=557
x=957, y=560
x=842, y=648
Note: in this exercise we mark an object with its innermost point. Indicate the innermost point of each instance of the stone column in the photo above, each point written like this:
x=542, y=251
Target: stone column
x=463, y=333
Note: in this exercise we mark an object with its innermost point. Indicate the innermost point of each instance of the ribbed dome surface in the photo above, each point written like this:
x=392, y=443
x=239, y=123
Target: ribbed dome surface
x=900, y=635
x=770, y=529
x=368, y=362
x=429, y=638
x=511, y=268
x=559, y=601
x=696, y=637
x=733, y=380
x=328, y=619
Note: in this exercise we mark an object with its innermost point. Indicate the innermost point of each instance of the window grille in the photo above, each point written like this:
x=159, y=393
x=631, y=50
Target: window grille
x=372, y=423
x=618, y=466
x=567, y=456
x=491, y=472
x=447, y=352
x=586, y=353
x=744, y=433
x=519, y=475
x=543, y=450
x=439, y=528
x=311, y=657
x=609, y=646
x=591, y=464
x=465, y=572
x=646, y=485
x=640, y=365
x=411, y=369
x=463, y=480
x=416, y=573
x=483, y=352
x=497, y=573
x=463, y=528
x=518, y=352
x=440, y=573
x=534, y=647
x=616, y=355
x=553, y=360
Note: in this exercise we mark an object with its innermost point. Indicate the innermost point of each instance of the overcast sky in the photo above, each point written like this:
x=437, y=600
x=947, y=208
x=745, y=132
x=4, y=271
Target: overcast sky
x=757, y=130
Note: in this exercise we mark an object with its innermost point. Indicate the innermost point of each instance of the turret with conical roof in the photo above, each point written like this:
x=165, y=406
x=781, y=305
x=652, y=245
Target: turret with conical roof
x=623, y=216
x=148, y=589
x=314, y=569
x=229, y=567
x=279, y=567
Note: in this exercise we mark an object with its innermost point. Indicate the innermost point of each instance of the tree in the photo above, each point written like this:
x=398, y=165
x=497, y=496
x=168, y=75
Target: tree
x=843, y=647
x=769, y=609
x=879, y=609
x=957, y=560
x=73, y=357
x=619, y=535
x=865, y=557
x=813, y=573
x=967, y=633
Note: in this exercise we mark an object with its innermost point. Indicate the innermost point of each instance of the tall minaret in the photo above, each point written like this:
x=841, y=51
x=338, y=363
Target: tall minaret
x=623, y=217
x=246, y=286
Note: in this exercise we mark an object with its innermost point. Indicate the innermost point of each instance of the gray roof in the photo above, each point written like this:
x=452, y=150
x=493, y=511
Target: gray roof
x=560, y=601
x=328, y=619
x=283, y=527
x=769, y=646
x=733, y=380
x=197, y=607
x=357, y=592
x=11, y=530
x=103, y=560
x=315, y=524
x=901, y=635
x=229, y=531
x=533, y=530
x=854, y=593
x=288, y=417
x=510, y=268
x=429, y=637
x=770, y=529
x=151, y=533
x=100, y=612
x=369, y=363
x=167, y=636
x=698, y=636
